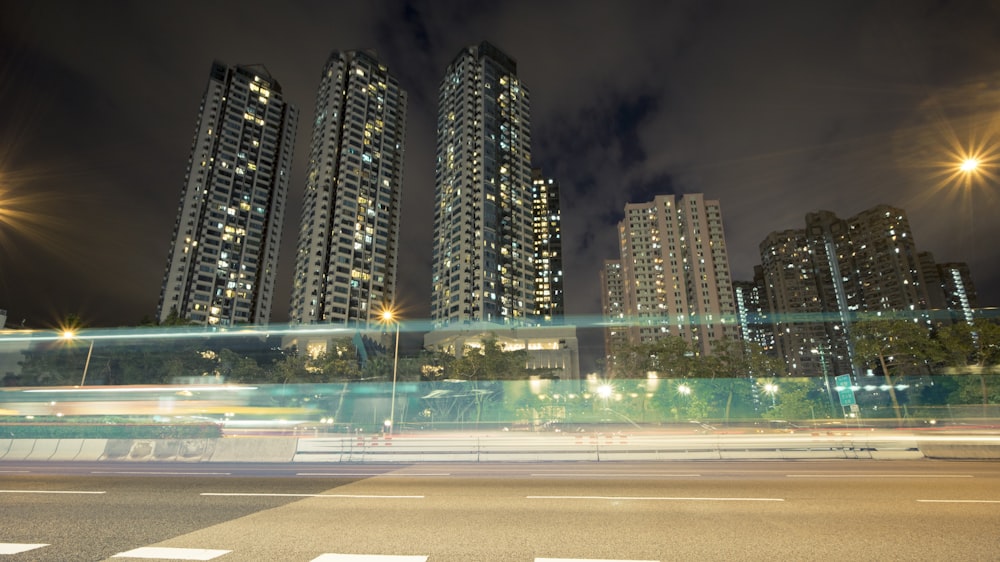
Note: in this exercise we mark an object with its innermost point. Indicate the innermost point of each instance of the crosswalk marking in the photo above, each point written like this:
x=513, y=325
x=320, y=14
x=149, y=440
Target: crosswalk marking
x=17, y=548
x=164, y=553
x=367, y=558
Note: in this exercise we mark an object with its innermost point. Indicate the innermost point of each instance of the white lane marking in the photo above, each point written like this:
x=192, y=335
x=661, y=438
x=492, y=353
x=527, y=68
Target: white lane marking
x=653, y=498
x=14, y=471
x=879, y=476
x=392, y=474
x=959, y=501
x=17, y=548
x=162, y=473
x=367, y=558
x=172, y=553
x=248, y=494
x=587, y=560
x=48, y=492
x=613, y=475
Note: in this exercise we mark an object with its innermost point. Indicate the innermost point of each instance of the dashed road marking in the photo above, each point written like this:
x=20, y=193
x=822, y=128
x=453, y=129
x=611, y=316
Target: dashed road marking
x=49, y=492
x=959, y=501
x=161, y=473
x=367, y=558
x=587, y=560
x=856, y=475
x=172, y=553
x=261, y=495
x=653, y=498
x=622, y=475
x=389, y=475
x=17, y=548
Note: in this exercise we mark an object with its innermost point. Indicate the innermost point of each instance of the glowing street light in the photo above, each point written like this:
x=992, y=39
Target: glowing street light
x=605, y=391
x=71, y=335
x=771, y=389
x=389, y=316
x=969, y=165
x=975, y=166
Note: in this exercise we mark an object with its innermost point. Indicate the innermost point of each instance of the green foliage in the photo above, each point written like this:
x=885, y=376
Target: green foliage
x=675, y=358
x=965, y=345
x=670, y=357
x=894, y=342
x=491, y=362
x=795, y=400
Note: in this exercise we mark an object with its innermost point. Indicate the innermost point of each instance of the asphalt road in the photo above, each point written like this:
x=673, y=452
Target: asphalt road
x=718, y=510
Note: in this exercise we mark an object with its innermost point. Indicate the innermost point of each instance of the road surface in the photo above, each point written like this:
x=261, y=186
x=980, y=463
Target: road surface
x=524, y=512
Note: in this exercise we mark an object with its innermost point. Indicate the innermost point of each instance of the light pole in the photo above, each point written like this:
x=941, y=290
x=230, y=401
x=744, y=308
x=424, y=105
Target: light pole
x=388, y=315
x=818, y=350
x=69, y=335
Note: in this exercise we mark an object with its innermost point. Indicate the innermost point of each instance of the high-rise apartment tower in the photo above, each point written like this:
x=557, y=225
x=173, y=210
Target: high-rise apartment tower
x=224, y=254
x=549, y=296
x=675, y=272
x=348, y=242
x=820, y=278
x=482, y=265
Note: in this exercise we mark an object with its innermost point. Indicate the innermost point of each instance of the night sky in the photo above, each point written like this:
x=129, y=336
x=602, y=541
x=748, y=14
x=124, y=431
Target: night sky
x=774, y=108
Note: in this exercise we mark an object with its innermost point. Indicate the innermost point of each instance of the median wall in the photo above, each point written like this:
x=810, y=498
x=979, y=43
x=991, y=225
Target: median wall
x=495, y=447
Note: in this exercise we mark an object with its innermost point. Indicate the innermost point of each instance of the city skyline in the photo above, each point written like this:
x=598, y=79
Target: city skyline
x=809, y=130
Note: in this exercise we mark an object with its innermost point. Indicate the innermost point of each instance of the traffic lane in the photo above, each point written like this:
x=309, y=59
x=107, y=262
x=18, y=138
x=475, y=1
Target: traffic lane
x=693, y=518
x=728, y=469
x=92, y=517
x=181, y=469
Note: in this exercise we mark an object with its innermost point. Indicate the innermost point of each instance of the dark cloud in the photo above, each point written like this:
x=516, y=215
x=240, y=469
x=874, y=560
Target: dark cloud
x=775, y=108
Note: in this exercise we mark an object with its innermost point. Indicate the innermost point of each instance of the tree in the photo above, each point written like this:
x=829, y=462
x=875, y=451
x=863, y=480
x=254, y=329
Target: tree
x=734, y=363
x=893, y=342
x=669, y=357
x=794, y=401
x=483, y=367
x=971, y=349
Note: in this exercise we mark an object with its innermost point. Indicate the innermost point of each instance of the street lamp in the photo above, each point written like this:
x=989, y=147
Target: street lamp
x=70, y=335
x=969, y=164
x=771, y=389
x=818, y=350
x=389, y=316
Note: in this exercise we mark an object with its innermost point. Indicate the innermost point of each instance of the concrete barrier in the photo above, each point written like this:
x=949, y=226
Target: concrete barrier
x=66, y=449
x=254, y=449
x=178, y=450
x=959, y=450
x=19, y=449
x=498, y=447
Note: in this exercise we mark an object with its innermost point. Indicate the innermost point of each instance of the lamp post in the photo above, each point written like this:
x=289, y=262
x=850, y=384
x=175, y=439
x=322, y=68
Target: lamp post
x=388, y=315
x=69, y=335
x=818, y=350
